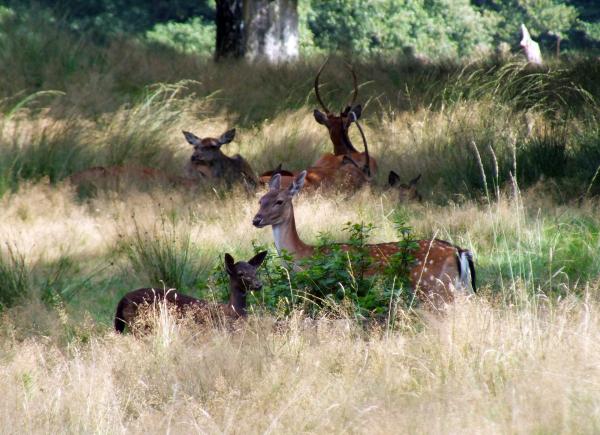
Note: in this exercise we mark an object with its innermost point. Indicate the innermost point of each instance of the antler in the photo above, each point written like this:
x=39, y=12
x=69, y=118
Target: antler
x=367, y=167
x=317, y=87
x=355, y=80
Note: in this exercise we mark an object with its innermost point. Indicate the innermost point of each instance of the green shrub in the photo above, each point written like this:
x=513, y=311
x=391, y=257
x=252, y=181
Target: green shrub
x=334, y=276
x=195, y=36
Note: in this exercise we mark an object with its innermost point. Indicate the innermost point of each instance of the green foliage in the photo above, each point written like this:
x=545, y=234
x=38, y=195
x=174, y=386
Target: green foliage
x=14, y=277
x=106, y=18
x=550, y=16
x=336, y=274
x=195, y=36
x=440, y=28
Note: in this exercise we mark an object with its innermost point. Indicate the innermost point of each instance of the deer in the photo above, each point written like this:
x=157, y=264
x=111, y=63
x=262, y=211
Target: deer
x=440, y=268
x=345, y=175
x=207, y=166
x=242, y=279
x=208, y=162
x=407, y=192
x=338, y=125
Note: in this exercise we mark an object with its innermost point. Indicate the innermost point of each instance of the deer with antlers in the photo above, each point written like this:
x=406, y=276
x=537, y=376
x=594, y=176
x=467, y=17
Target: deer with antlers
x=345, y=175
x=242, y=279
x=440, y=268
x=338, y=126
x=346, y=168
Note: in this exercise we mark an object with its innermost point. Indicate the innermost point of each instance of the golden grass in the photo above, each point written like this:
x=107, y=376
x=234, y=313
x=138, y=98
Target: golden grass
x=508, y=361
x=479, y=369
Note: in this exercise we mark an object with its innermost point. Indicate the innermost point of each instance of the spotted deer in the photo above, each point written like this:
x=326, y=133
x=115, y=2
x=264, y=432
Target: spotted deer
x=345, y=175
x=338, y=125
x=242, y=279
x=210, y=164
x=440, y=268
x=407, y=192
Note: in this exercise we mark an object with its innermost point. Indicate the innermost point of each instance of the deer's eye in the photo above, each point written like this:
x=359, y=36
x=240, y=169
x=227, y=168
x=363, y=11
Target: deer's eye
x=279, y=202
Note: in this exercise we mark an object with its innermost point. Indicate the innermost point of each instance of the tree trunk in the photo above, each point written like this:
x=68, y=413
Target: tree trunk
x=230, y=29
x=271, y=30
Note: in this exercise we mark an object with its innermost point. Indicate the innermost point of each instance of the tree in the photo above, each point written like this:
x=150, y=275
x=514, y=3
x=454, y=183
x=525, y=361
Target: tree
x=230, y=29
x=258, y=29
x=271, y=29
x=552, y=17
x=444, y=28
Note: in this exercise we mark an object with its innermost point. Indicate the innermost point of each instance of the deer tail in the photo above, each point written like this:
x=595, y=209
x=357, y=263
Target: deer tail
x=466, y=268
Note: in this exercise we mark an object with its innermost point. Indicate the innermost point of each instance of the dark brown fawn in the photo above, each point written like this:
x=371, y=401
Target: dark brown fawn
x=242, y=279
x=346, y=175
x=210, y=164
x=338, y=126
x=407, y=192
x=440, y=268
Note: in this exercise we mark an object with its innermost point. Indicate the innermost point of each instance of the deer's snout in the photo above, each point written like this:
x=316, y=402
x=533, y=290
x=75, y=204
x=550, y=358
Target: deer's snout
x=258, y=221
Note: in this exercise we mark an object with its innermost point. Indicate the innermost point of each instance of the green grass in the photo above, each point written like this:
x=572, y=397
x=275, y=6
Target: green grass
x=14, y=277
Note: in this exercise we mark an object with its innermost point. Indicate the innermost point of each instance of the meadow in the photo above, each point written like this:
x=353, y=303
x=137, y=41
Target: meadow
x=509, y=158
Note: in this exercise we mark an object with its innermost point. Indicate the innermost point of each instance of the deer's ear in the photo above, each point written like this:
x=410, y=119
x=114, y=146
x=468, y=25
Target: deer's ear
x=321, y=118
x=257, y=260
x=393, y=178
x=355, y=113
x=192, y=138
x=227, y=137
x=297, y=184
x=275, y=182
x=414, y=181
x=229, y=264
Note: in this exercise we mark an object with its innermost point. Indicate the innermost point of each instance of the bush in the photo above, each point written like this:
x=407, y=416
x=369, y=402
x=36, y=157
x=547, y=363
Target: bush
x=334, y=275
x=195, y=36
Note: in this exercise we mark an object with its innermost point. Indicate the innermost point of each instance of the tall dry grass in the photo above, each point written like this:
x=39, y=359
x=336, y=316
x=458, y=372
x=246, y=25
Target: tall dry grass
x=509, y=158
x=481, y=368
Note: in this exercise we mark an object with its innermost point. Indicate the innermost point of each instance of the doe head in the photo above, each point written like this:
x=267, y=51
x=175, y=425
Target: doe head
x=243, y=273
x=276, y=205
x=406, y=192
x=209, y=148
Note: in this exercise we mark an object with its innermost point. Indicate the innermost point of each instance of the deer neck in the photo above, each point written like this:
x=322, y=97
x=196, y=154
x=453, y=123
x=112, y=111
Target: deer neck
x=286, y=237
x=342, y=144
x=237, y=299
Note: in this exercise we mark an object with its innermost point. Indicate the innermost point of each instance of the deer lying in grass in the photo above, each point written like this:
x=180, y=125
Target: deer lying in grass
x=440, y=268
x=242, y=279
x=406, y=192
x=338, y=125
x=345, y=175
x=210, y=164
